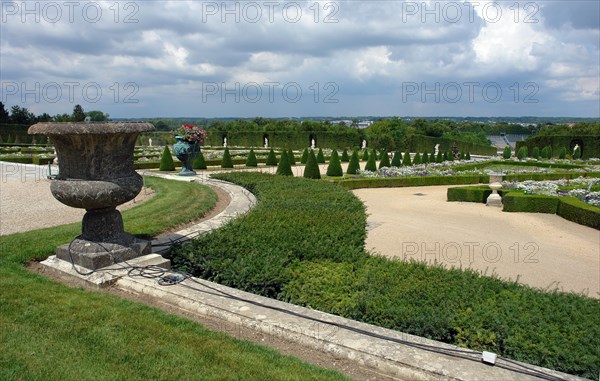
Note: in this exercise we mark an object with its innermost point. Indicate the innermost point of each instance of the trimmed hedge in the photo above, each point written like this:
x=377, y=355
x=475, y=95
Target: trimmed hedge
x=18, y=159
x=521, y=202
x=422, y=143
x=411, y=181
x=469, y=194
x=590, y=144
x=569, y=208
x=577, y=211
x=549, y=176
x=304, y=243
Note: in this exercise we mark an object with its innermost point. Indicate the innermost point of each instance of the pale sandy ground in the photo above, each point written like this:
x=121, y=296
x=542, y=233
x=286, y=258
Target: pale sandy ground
x=540, y=250
x=26, y=202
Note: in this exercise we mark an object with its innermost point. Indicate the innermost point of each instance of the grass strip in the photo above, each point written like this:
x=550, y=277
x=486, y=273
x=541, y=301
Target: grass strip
x=49, y=331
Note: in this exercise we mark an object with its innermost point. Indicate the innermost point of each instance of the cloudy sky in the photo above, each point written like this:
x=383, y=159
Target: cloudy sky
x=302, y=58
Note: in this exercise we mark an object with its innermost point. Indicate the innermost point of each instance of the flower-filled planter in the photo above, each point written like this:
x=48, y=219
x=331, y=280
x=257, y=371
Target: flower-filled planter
x=189, y=139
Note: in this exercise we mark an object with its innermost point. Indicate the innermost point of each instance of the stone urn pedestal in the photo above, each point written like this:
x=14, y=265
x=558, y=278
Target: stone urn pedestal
x=96, y=173
x=494, y=199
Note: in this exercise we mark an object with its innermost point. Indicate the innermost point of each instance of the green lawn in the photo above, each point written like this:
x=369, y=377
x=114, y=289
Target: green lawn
x=49, y=331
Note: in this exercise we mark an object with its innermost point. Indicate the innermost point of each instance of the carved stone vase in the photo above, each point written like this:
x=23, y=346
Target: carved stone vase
x=96, y=173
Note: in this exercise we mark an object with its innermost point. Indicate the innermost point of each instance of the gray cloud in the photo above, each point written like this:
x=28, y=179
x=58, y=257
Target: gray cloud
x=170, y=55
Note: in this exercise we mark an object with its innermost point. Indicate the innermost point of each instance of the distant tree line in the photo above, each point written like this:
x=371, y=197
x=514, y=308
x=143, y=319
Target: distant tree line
x=22, y=116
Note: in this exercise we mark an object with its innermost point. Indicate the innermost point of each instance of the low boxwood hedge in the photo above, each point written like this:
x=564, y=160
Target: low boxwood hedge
x=18, y=159
x=42, y=160
x=577, y=211
x=533, y=203
x=305, y=243
x=410, y=181
x=549, y=176
x=568, y=208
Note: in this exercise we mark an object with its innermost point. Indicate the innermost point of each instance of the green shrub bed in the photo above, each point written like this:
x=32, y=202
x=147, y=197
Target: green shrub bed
x=568, y=208
x=521, y=202
x=549, y=176
x=304, y=243
x=411, y=181
x=577, y=211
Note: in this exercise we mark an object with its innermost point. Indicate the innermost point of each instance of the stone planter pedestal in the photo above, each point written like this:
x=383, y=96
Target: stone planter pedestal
x=494, y=199
x=96, y=173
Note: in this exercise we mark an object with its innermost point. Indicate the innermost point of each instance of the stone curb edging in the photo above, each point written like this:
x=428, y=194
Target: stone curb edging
x=341, y=337
x=241, y=201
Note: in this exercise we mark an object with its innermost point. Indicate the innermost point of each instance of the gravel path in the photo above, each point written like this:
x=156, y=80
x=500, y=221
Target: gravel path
x=541, y=250
x=26, y=202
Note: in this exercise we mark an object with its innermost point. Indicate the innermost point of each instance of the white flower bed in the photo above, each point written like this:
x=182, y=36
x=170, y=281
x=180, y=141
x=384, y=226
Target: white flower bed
x=552, y=188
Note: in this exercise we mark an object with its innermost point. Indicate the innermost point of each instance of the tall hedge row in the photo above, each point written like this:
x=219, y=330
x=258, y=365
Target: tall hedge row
x=590, y=144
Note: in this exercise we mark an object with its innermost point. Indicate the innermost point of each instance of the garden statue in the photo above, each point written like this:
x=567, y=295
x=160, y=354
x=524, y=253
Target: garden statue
x=312, y=144
x=150, y=142
x=225, y=141
x=266, y=142
x=575, y=148
x=436, y=149
x=364, y=144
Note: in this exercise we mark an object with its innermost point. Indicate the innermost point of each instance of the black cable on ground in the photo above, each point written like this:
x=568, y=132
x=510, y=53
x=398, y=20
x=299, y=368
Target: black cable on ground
x=168, y=277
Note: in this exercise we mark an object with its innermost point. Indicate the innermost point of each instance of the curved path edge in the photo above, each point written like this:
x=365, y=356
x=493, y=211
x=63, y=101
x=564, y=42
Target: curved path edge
x=241, y=201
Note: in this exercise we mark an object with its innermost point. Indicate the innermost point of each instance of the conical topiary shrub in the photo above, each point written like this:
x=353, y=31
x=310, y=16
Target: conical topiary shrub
x=507, y=153
x=385, y=160
x=417, y=159
x=445, y=157
x=371, y=164
x=345, y=157
x=397, y=159
x=320, y=157
x=406, y=159
x=354, y=164
x=468, y=156
x=535, y=153
x=311, y=171
x=562, y=154
x=432, y=158
x=366, y=155
x=291, y=157
x=425, y=158
x=166, y=160
x=199, y=162
x=284, y=168
x=522, y=153
x=226, y=162
x=251, y=159
x=10, y=139
x=439, y=158
x=272, y=159
x=577, y=153
x=335, y=167
x=304, y=157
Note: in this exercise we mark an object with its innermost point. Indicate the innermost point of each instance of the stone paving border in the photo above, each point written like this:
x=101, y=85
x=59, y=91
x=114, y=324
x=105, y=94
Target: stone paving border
x=390, y=352
x=241, y=202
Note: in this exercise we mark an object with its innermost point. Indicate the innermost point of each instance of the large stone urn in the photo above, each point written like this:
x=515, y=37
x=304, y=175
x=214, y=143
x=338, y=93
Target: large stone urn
x=96, y=173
